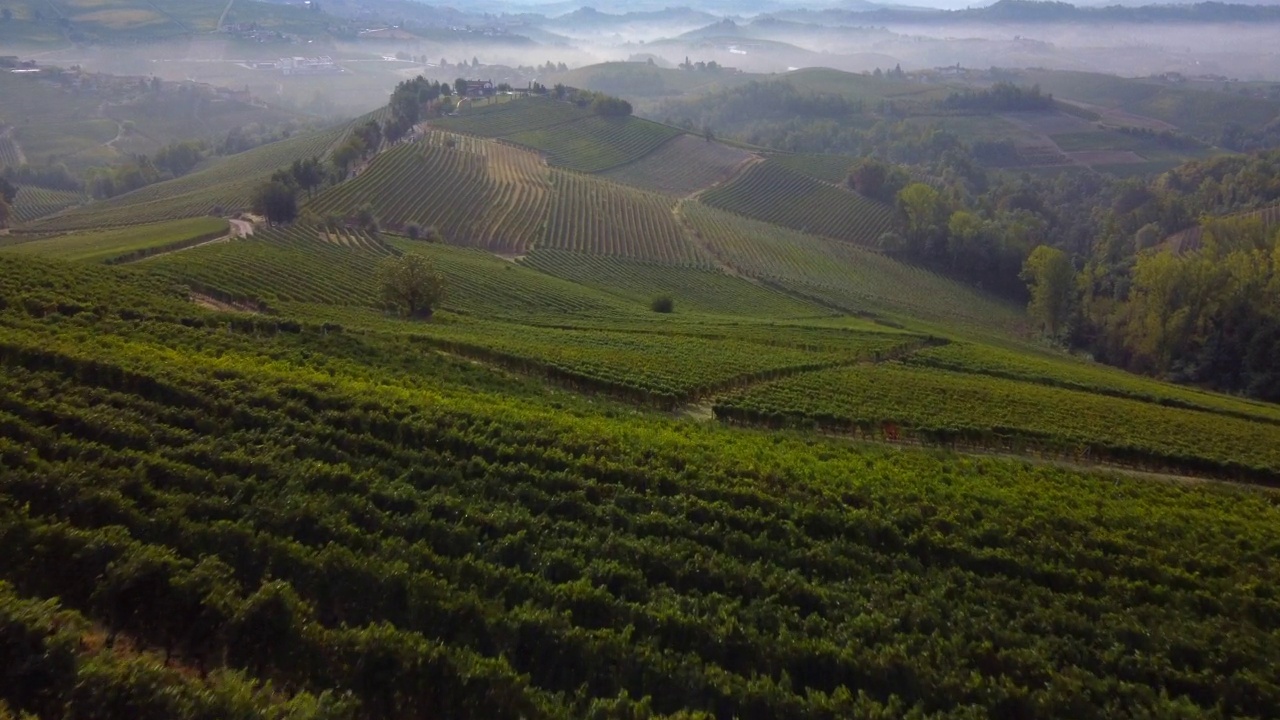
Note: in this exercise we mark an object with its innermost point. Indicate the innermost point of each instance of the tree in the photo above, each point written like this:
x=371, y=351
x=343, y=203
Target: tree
x=411, y=284
x=307, y=174
x=8, y=191
x=926, y=215
x=1050, y=281
x=276, y=202
x=663, y=304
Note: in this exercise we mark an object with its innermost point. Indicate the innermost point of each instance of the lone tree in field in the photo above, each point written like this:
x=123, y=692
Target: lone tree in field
x=276, y=202
x=411, y=284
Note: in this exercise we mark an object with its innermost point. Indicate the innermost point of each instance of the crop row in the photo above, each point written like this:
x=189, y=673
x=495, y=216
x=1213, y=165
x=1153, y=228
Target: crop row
x=646, y=366
x=994, y=412
x=36, y=202
x=298, y=509
x=593, y=216
x=128, y=244
x=681, y=166
x=828, y=168
x=509, y=118
x=8, y=151
x=454, y=184
x=839, y=274
x=597, y=143
x=775, y=194
x=693, y=289
x=1071, y=373
x=277, y=266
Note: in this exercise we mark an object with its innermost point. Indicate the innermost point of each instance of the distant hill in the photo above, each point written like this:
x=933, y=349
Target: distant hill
x=1037, y=11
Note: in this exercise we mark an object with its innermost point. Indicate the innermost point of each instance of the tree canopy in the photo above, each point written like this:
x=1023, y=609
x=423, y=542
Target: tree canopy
x=411, y=284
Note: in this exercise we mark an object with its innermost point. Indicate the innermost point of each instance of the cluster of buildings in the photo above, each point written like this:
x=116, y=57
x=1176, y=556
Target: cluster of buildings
x=322, y=65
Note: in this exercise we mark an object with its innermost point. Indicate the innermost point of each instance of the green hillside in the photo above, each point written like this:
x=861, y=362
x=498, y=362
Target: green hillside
x=771, y=192
x=667, y=448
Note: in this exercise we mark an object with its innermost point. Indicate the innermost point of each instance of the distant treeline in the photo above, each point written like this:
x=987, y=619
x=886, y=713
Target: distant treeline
x=1001, y=97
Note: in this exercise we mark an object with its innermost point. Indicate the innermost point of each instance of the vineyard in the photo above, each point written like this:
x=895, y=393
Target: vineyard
x=383, y=530
x=34, y=202
x=482, y=285
x=522, y=115
x=273, y=267
x=1091, y=377
x=772, y=193
x=947, y=407
x=694, y=290
x=840, y=275
x=225, y=185
x=681, y=166
x=597, y=217
x=827, y=168
x=475, y=192
x=122, y=245
x=597, y=143
x=9, y=156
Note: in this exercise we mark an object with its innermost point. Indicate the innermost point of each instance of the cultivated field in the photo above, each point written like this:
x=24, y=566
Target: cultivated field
x=125, y=244
x=772, y=193
x=682, y=165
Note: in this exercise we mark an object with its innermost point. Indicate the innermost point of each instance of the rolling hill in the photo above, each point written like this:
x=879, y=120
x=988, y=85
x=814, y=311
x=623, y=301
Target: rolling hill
x=658, y=453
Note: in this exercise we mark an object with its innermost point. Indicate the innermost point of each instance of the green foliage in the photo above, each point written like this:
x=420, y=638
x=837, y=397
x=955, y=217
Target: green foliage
x=411, y=284
x=275, y=201
x=663, y=304
x=1051, y=284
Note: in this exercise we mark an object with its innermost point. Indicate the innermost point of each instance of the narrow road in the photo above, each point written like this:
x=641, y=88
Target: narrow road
x=239, y=229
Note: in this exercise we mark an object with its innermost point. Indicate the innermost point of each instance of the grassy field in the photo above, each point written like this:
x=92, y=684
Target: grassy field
x=683, y=165
x=131, y=243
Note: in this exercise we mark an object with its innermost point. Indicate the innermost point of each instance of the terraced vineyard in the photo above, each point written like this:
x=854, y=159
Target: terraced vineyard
x=947, y=407
x=274, y=266
x=693, y=290
x=828, y=168
x=226, y=185
x=520, y=115
x=597, y=143
x=593, y=216
x=33, y=202
x=841, y=275
x=477, y=193
x=681, y=166
x=770, y=192
x=125, y=244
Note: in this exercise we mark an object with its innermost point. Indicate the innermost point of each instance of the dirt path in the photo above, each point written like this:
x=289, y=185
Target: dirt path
x=239, y=229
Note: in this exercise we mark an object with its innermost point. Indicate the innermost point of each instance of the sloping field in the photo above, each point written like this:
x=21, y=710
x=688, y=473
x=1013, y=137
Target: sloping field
x=482, y=285
x=283, y=265
x=597, y=143
x=775, y=194
x=692, y=289
x=519, y=115
x=1091, y=377
x=125, y=243
x=36, y=202
x=592, y=216
x=9, y=156
x=475, y=192
x=1000, y=412
x=828, y=168
x=683, y=165
x=227, y=184
x=841, y=275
